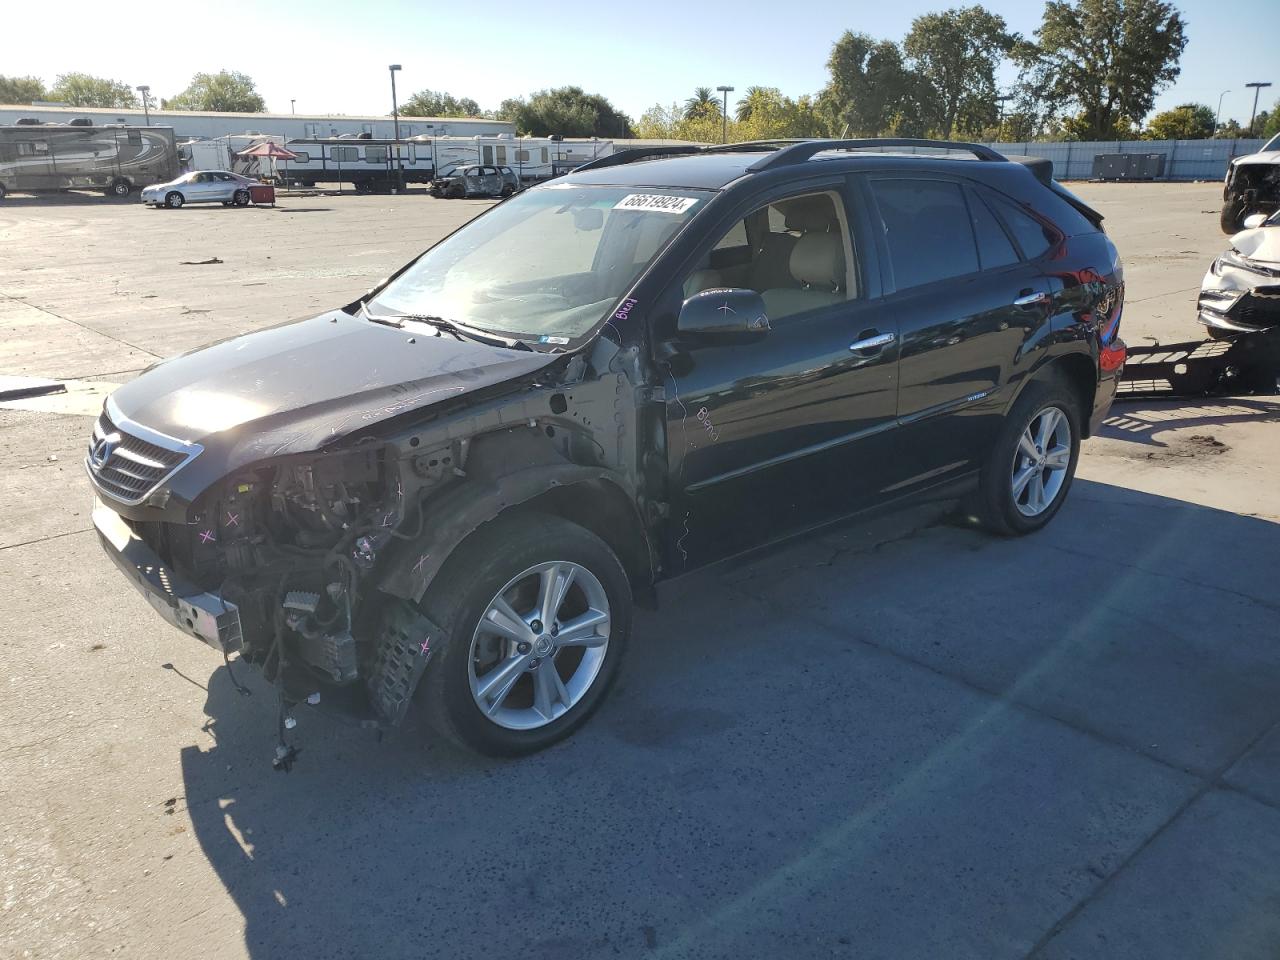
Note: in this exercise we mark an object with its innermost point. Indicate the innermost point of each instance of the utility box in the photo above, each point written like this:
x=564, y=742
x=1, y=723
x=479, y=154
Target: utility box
x=1128, y=166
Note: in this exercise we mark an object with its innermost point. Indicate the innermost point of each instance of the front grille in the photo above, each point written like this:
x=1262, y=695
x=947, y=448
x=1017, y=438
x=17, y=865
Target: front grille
x=1258, y=308
x=126, y=466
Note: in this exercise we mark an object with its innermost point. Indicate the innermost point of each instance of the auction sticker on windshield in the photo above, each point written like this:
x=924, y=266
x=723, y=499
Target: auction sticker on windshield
x=656, y=202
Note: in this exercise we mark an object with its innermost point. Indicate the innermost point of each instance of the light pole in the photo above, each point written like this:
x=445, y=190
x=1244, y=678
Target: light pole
x=146, y=110
x=395, y=118
x=1002, y=100
x=724, y=117
x=292, y=104
x=1219, y=111
x=1257, y=88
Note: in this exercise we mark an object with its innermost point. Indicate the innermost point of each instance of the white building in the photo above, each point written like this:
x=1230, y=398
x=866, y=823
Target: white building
x=196, y=125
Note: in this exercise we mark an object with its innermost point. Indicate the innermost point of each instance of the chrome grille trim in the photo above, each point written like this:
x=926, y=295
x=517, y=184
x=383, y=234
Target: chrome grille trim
x=141, y=460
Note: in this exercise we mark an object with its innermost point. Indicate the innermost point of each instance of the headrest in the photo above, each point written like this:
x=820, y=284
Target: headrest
x=817, y=260
x=808, y=214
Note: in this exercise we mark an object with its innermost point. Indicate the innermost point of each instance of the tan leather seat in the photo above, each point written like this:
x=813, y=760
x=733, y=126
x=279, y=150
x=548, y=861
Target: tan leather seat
x=818, y=269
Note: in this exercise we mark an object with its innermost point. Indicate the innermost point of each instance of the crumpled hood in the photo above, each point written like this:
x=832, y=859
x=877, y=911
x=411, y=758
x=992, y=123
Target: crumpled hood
x=1266, y=157
x=302, y=386
x=1261, y=244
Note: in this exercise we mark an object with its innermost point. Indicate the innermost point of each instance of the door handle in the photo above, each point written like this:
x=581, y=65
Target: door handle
x=875, y=342
x=1032, y=299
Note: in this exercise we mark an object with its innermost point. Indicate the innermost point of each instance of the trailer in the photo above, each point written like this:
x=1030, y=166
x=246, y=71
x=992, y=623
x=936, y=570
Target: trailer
x=367, y=164
x=115, y=159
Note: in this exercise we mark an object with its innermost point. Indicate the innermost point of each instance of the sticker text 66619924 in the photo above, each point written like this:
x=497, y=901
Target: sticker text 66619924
x=655, y=203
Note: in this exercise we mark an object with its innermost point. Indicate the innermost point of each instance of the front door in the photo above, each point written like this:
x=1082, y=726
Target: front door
x=966, y=304
x=778, y=433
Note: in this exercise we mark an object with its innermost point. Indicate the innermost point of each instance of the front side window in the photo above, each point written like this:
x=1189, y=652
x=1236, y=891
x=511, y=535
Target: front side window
x=796, y=253
x=926, y=225
x=551, y=262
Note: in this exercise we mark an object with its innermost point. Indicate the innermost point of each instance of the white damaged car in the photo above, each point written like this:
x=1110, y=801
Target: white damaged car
x=1241, y=291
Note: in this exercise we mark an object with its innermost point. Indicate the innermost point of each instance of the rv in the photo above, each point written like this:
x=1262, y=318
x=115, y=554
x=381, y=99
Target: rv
x=38, y=157
x=365, y=163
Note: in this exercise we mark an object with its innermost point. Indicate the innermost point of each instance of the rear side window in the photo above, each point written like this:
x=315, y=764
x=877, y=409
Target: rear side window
x=926, y=224
x=994, y=247
x=1033, y=237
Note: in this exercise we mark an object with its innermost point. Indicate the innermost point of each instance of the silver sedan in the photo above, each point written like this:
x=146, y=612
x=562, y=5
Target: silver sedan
x=200, y=186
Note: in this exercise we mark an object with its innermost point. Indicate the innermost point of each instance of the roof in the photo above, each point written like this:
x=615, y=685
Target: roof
x=714, y=170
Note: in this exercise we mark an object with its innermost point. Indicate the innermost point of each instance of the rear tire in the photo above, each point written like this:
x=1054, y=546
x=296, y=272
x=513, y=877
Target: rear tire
x=497, y=562
x=1022, y=462
x=173, y=200
x=119, y=188
x=3, y=191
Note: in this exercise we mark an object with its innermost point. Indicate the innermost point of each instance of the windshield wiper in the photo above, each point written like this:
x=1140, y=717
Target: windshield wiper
x=378, y=318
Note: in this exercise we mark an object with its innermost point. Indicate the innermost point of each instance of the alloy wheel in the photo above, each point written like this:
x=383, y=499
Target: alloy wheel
x=539, y=645
x=1041, y=461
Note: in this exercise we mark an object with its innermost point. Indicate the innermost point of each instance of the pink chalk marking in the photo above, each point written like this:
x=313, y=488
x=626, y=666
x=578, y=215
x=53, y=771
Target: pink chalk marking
x=206, y=536
x=233, y=519
x=426, y=644
x=386, y=521
x=417, y=567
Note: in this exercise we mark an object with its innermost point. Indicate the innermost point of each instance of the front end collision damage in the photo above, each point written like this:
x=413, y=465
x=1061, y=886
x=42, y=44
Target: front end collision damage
x=322, y=558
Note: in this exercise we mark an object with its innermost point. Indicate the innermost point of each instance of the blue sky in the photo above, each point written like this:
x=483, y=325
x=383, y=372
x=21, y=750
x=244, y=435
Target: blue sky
x=333, y=58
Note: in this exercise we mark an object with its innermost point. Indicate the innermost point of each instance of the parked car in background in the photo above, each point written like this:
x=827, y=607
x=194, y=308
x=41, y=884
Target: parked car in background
x=475, y=180
x=451, y=491
x=200, y=186
x=1241, y=291
x=1252, y=186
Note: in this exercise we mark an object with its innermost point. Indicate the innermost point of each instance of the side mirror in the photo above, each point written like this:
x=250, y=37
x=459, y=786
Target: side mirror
x=724, y=311
x=1254, y=220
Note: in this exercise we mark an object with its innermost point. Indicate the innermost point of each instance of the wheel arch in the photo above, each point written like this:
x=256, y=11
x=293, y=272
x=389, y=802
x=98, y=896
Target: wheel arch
x=588, y=496
x=1080, y=372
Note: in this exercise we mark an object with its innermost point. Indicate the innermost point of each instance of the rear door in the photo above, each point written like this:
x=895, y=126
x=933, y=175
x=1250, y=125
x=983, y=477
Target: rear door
x=966, y=304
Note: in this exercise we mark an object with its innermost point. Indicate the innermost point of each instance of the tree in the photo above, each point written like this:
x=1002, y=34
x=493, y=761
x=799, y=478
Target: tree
x=432, y=103
x=660, y=123
x=1229, y=130
x=1268, y=122
x=83, y=90
x=956, y=53
x=868, y=87
x=1187, y=121
x=571, y=112
x=702, y=104
x=223, y=92
x=22, y=90
x=508, y=109
x=753, y=99
x=1103, y=61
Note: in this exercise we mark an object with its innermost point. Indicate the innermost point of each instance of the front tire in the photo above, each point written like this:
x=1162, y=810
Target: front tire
x=1232, y=217
x=241, y=198
x=1025, y=479
x=173, y=200
x=536, y=614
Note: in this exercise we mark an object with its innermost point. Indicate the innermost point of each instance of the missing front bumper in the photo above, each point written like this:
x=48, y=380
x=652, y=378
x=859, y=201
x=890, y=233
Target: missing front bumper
x=205, y=616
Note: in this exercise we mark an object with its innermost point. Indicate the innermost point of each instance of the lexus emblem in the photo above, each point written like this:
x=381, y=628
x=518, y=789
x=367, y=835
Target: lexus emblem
x=101, y=451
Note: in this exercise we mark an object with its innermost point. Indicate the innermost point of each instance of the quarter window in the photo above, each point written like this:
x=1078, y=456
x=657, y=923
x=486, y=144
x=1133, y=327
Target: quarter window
x=926, y=225
x=994, y=247
x=301, y=156
x=1033, y=237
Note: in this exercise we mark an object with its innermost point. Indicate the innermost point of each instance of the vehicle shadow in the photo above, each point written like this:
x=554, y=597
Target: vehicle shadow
x=1142, y=421
x=722, y=777
x=70, y=198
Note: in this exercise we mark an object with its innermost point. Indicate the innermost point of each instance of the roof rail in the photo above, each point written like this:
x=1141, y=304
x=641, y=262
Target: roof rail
x=805, y=150
x=637, y=153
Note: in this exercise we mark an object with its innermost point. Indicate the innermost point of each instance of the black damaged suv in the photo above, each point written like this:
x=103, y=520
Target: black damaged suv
x=453, y=490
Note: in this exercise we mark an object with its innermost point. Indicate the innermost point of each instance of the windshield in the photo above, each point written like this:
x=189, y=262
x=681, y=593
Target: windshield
x=1272, y=144
x=546, y=265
